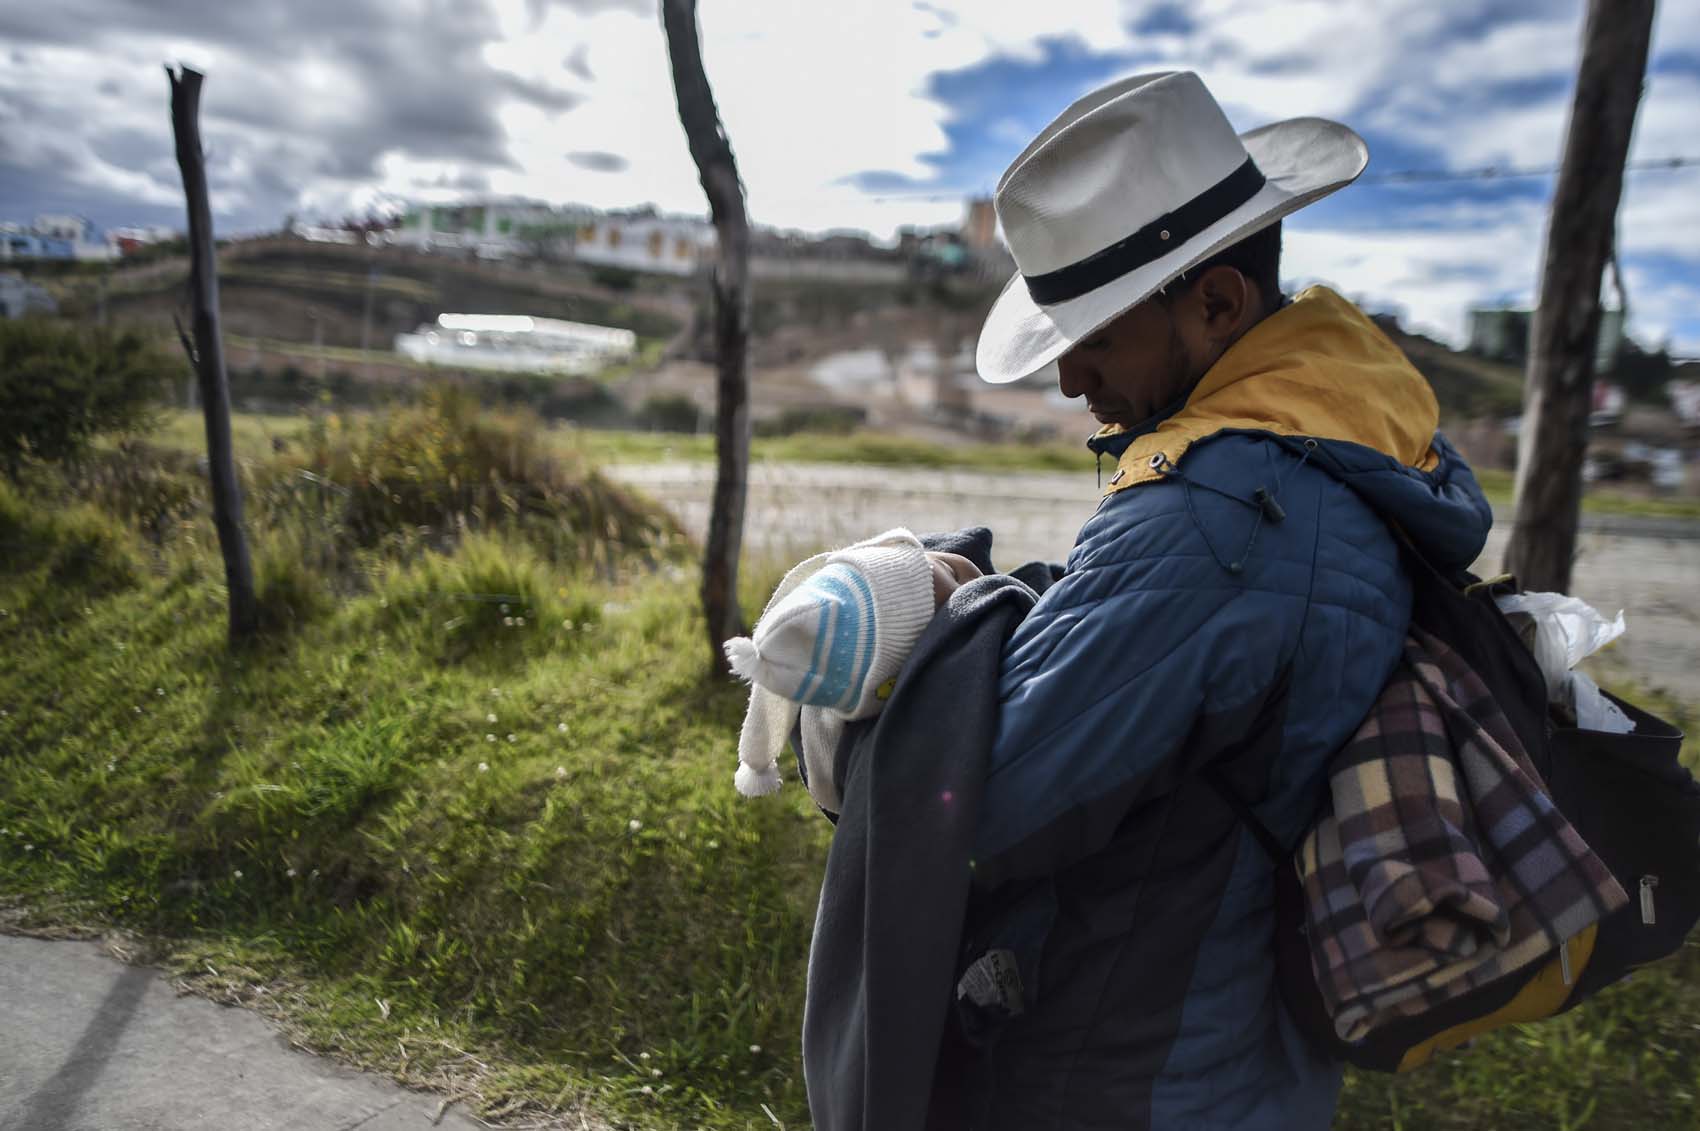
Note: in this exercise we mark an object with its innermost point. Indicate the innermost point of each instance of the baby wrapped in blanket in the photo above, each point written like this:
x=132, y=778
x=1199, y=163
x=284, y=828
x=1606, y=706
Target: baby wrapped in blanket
x=828, y=648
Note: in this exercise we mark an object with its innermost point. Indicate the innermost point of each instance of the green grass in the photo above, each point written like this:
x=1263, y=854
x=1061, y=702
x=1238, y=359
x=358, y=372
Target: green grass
x=253, y=434
x=519, y=835
x=381, y=285
x=182, y=430
x=856, y=447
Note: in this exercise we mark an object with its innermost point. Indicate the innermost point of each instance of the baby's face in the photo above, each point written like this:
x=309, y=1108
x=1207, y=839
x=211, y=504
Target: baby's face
x=949, y=572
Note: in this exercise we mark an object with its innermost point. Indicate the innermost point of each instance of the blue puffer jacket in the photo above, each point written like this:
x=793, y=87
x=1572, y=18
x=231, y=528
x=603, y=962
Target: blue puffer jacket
x=1237, y=600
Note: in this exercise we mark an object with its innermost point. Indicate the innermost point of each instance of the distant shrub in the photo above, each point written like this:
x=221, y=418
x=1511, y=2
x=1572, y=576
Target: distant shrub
x=831, y=419
x=614, y=278
x=491, y=593
x=61, y=383
x=78, y=552
x=668, y=412
x=446, y=466
x=150, y=488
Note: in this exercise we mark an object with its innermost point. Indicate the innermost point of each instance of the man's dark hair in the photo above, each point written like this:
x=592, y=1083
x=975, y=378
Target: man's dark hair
x=1257, y=257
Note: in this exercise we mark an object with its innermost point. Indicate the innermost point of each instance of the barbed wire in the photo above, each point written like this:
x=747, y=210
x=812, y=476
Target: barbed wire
x=1400, y=176
x=1496, y=172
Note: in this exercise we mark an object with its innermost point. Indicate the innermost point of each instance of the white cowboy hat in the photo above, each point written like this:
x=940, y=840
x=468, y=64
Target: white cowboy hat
x=1129, y=187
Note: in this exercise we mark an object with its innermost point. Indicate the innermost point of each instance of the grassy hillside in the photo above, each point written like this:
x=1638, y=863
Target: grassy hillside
x=1466, y=386
x=291, y=290
x=474, y=771
x=464, y=813
x=521, y=840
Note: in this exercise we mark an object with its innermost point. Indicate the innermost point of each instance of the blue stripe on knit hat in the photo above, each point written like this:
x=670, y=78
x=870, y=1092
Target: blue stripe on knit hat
x=850, y=653
x=802, y=693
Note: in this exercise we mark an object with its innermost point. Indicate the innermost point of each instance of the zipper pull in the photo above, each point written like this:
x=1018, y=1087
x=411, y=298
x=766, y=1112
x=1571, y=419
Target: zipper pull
x=1564, y=961
x=1648, y=883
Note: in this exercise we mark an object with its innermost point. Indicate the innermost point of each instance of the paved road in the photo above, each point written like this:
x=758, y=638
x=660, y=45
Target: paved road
x=1648, y=567
x=90, y=1044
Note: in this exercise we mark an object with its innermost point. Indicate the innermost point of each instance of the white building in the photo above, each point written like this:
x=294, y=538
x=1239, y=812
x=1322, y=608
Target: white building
x=127, y=240
x=517, y=344
x=491, y=230
x=640, y=241
x=645, y=241
x=1685, y=401
x=318, y=233
x=55, y=237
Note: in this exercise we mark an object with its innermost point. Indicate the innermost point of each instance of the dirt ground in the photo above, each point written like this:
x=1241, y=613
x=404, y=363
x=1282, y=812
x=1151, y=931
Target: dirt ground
x=1648, y=568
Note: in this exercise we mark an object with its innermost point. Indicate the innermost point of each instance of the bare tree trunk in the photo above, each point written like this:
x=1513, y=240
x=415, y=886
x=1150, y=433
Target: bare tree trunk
x=1580, y=233
x=719, y=175
x=366, y=321
x=208, y=354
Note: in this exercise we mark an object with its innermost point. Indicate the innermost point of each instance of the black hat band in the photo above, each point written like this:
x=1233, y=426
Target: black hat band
x=1149, y=243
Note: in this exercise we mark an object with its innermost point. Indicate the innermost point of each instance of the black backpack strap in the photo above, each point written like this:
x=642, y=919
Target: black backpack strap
x=1270, y=842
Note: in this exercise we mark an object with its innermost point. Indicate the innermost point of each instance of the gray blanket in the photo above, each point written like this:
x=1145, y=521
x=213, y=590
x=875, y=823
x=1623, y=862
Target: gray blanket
x=882, y=966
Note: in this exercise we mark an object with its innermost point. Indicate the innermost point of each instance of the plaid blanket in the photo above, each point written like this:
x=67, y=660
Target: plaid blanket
x=1444, y=864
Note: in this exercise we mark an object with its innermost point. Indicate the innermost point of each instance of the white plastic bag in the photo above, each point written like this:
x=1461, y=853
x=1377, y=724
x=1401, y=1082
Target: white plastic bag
x=1568, y=629
x=1593, y=710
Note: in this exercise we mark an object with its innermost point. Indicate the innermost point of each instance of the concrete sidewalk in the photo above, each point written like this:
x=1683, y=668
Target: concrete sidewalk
x=90, y=1044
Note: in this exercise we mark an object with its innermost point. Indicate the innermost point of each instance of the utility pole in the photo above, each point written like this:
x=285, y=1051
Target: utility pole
x=318, y=344
x=207, y=353
x=1558, y=388
x=718, y=172
x=366, y=320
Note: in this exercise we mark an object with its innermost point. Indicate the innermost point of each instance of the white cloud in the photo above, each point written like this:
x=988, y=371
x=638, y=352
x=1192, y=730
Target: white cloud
x=1431, y=275
x=1660, y=215
x=1659, y=306
x=810, y=95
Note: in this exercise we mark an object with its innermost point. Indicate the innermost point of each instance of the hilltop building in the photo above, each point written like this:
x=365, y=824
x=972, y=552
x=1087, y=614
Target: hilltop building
x=128, y=240
x=639, y=240
x=56, y=237
x=1503, y=335
x=980, y=226
x=644, y=239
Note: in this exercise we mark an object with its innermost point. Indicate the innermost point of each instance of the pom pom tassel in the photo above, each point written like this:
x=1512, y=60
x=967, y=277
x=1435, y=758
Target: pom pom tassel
x=742, y=655
x=754, y=782
x=766, y=725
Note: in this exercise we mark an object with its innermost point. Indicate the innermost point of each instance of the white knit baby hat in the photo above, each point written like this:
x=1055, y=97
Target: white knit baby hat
x=839, y=627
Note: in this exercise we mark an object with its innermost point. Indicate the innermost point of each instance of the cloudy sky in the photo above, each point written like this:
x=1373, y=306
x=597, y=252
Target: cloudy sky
x=865, y=114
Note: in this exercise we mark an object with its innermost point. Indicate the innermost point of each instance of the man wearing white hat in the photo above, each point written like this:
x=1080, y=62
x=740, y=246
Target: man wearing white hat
x=1228, y=614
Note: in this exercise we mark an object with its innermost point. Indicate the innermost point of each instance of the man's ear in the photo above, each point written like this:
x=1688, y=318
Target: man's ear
x=1227, y=301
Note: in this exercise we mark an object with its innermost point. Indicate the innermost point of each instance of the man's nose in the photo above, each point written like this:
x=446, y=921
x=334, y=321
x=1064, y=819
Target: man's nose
x=1075, y=378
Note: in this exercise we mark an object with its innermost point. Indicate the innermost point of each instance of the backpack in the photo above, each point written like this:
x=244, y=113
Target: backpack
x=1627, y=795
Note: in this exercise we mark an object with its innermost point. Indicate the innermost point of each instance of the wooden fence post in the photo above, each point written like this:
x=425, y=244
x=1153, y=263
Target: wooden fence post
x=207, y=353
x=1558, y=389
x=718, y=172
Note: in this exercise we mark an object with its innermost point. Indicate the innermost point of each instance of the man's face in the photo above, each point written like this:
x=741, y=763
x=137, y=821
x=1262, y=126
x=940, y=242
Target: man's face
x=1154, y=354
x=1131, y=368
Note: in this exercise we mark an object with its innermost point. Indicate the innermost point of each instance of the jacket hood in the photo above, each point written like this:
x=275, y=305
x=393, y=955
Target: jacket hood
x=1441, y=509
x=1319, y=370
